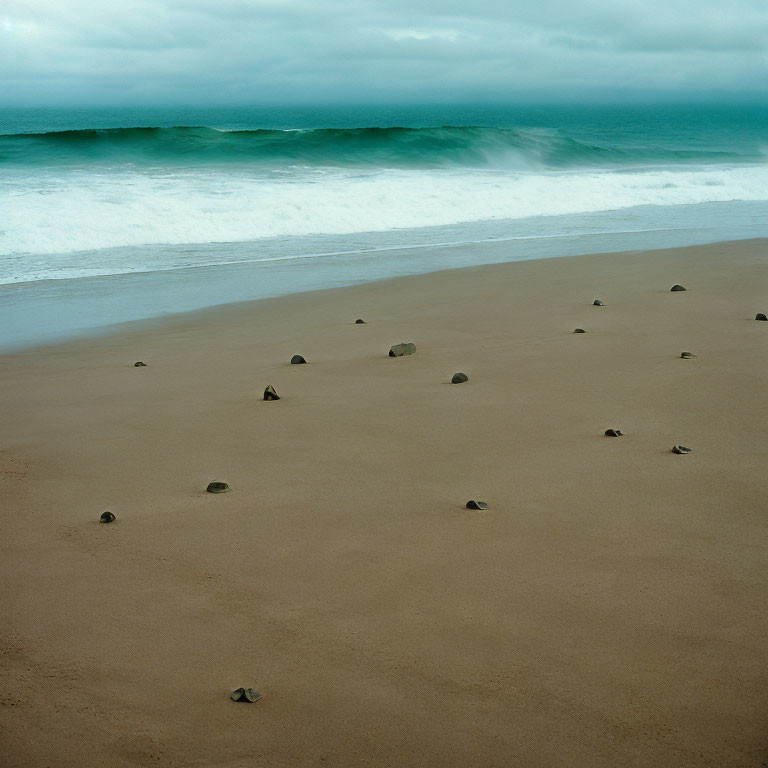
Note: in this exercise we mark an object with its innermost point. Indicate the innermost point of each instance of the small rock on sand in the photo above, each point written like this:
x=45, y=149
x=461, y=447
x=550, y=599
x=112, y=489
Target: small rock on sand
x=217, y=487
x=681, y=449
x=579, y=330
x=677, y=287
x=139, y=365
x=298, y=360
x=107, y=517
x=613, y=433
x=399, y=350
x=459, y=378
x=761, y=316
x=270, y=394
x=687, y=355
x=597, y=303
x=245, y=694
x=472, y=504
x=359, y=321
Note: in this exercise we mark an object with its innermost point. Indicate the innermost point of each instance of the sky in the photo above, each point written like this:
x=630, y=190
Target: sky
x=56, y=52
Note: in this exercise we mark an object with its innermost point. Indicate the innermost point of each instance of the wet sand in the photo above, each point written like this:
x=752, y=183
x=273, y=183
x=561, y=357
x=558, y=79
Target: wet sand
x=607, y=609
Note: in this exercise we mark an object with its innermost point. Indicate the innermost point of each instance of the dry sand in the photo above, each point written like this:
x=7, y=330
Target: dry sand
x=608, y=609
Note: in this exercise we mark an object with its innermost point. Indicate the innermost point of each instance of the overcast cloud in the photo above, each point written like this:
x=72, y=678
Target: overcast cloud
x=346, y=51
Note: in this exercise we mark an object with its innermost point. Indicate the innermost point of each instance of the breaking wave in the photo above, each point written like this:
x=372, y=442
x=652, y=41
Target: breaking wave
x=407, y=148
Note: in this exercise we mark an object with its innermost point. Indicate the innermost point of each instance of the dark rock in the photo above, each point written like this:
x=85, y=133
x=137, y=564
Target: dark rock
x=297, y=360
x=579, y=330
x=139, y=365
x=217, y=487
x=681, y=449
x=687, y=355
x=107, y=517
x=613, y=433
x=406, y=348
x=245, y=694
x=359, y=321
x=597, y=303
x=270, y=394
x=761, y=316
x=459, y=378
x=472, y=504
x=677, y=288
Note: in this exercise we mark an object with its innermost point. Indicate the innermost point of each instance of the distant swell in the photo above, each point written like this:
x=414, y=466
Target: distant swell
x=404, y=148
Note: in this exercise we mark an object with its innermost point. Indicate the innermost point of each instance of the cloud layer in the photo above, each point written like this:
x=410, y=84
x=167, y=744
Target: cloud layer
x=287, y=51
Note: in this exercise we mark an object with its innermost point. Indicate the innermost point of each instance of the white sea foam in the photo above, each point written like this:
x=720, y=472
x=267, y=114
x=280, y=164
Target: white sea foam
x=67, y=211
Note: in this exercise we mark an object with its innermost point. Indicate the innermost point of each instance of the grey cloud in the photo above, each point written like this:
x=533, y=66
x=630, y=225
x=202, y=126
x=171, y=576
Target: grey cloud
x=355, y=50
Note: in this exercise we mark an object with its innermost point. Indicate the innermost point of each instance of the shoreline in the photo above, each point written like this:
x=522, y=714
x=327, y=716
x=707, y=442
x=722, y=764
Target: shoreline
x=91, y=293
x=606, y=608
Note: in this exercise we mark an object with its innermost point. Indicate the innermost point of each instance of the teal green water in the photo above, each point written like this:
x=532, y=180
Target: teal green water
x=540, y=137
x=446, y=146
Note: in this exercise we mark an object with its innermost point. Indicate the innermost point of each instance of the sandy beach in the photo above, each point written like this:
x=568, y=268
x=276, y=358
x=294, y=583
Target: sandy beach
x=608, y=608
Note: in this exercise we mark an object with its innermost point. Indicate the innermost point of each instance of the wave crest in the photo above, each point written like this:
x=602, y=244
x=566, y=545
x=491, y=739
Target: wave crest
x=427, y=148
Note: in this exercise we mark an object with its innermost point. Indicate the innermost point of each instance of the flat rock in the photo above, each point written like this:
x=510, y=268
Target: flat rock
x=681, y=449
x=761, y=316
x=687, y=355
x=270, y=394
x=579, y=330
x=472, y=504
x=139, y=365
x=613, y=433
x=217, y=487
x=107, y=517
x=298, y=360
x=597, y=303
x=245, y=694
x=359, y=321
x=677, y=288
x=399, y=350
x=459, y=378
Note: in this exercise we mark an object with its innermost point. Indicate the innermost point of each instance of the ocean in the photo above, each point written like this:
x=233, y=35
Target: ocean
x=109, y=215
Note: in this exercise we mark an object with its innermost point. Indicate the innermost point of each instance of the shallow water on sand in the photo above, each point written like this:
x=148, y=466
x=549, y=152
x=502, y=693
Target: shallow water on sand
x=46, y=311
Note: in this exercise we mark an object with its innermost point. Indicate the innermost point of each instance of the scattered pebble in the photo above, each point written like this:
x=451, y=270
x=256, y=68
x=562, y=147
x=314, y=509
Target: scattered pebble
x=217, y=487
x=613, y=433
x=139, y=365
x=597, y=303
x=459, y=378
x=687, y=355
x=579, y=330
x=677, y=287
x=107, y=517
x=761, y=316
x=406, y=348
x=297, y=360
x=472, y=504
x=681, y=449
x=359, y=321
x=270, y=394
x=245, y=694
